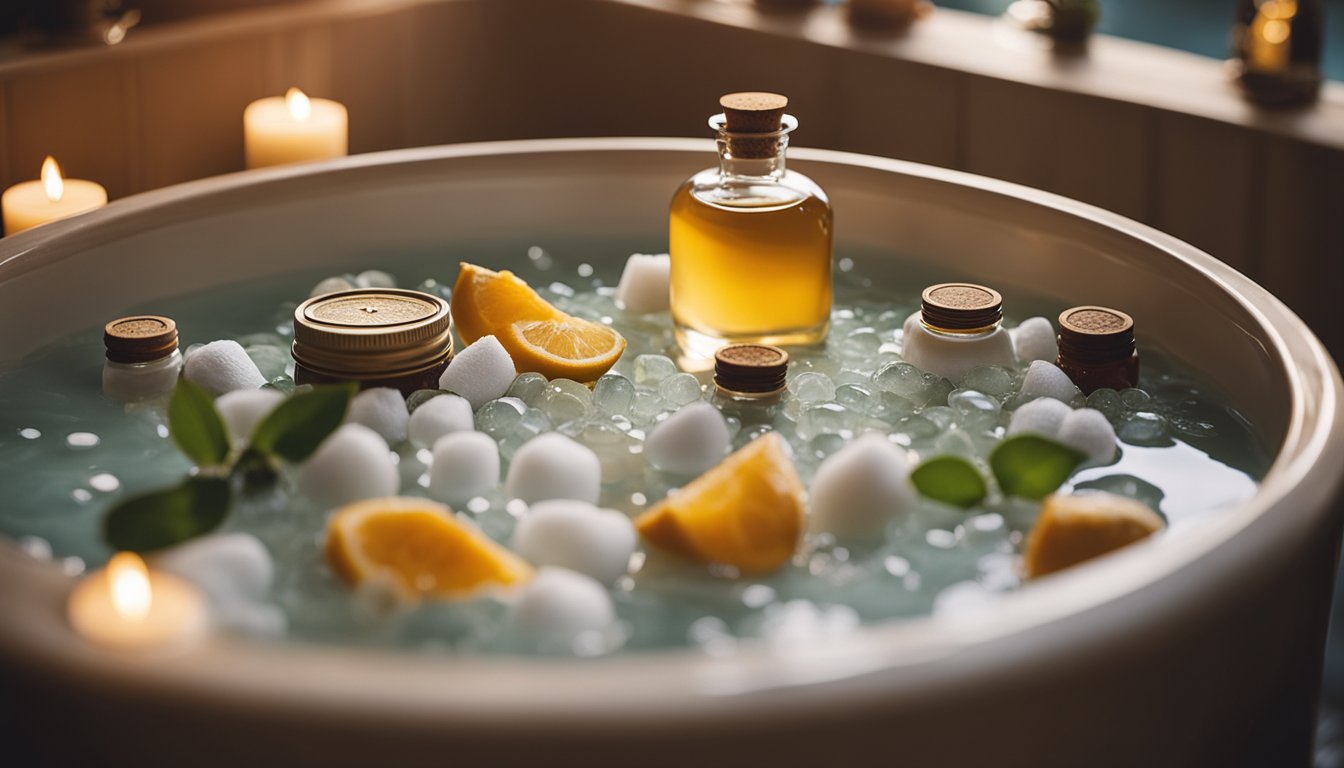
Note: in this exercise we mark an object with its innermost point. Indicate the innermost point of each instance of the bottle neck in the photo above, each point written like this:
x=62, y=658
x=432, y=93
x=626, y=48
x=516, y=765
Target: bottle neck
x=734, y=165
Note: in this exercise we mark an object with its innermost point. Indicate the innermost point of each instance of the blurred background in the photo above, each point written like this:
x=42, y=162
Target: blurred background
x=1149, y=116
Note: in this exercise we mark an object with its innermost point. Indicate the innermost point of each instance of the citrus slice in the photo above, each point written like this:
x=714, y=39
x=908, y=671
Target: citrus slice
x=539, y=337
x=420, y=545
x=485, y=302
x=747, y=512
x=567, y=348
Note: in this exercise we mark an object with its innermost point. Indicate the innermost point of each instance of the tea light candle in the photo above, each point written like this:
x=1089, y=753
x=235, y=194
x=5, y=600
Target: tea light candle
x=30, y=203
x=126, y=607
x=293, y=129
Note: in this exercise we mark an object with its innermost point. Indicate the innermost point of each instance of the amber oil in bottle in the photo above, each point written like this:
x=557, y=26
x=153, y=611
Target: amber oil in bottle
x=1097, y=349
x=750, y=241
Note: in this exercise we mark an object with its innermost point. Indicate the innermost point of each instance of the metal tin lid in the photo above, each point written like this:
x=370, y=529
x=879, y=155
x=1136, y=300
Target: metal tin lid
x=1094, y=334
x=140, y=339
x=372, y=332
x=961, y=307
x=753, y=369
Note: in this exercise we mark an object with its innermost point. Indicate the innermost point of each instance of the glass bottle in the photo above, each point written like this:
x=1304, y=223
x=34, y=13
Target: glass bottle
x=1276, y=50
x=958, y=328
x=143, y=360
x=750, y=241
x=377, y=337
x=1097, y=349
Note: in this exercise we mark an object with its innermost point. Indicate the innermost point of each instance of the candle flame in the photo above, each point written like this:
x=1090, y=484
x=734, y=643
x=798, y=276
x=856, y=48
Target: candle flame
x=51, y=180
x=129, y=579
x=299, y=106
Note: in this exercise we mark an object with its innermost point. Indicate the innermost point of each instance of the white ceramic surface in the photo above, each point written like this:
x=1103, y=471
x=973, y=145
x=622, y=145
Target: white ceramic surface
x=1199, y=649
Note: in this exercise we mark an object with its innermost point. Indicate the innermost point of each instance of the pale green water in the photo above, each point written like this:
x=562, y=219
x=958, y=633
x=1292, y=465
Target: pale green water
x=58, y=491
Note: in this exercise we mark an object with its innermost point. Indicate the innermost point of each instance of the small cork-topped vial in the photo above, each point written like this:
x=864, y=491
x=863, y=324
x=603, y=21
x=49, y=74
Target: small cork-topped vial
x=958, y=328
x=143, y=360
x=377, y=337
x=1097, y=348
x=750, y=371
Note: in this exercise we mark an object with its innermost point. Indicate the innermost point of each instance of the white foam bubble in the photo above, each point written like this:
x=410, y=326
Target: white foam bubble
x=1089, y=431
x=644, y=284
x=383, y=410
x=1045, y=379
x=439, y=416
x=482, y=372
x=352, y=463
x=689, y=441
x=578, y=536
x=861, y=488
x=1041, y=417
x=561, y=604
x=465, y=464
x=1034, y=339
x=552, y=466
x=222, y=366
x=227, y=567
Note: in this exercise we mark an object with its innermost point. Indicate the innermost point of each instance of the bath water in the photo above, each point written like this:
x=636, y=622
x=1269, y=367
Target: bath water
x=67, y=454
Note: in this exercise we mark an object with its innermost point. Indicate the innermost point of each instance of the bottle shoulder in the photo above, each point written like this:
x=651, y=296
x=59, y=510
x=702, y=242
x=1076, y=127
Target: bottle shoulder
x=712, y=187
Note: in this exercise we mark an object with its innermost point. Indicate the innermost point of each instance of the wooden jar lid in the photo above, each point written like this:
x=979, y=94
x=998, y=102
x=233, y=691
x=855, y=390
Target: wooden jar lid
x=753, y=369
x=140, y=338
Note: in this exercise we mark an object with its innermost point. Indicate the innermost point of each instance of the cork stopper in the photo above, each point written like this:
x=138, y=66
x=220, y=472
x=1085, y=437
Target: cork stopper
x=753, y=112
x=1095, y=334
x=140, y=339
x=755, y=370
x=961, y=307
x=371, y=333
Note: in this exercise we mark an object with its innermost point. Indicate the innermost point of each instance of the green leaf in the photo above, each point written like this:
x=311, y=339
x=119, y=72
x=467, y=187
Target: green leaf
x=1032, y=466
x=196, y=426
x=298, y=425
x=162, y=518
x=951, y=480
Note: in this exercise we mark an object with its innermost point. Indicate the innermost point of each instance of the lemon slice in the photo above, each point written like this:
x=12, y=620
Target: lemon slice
x=420, y=545
x=485, y=302
x=567, y=348
x=747, y=512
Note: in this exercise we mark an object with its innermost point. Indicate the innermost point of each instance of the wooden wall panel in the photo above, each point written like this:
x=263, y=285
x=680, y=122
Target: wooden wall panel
x=898, y=109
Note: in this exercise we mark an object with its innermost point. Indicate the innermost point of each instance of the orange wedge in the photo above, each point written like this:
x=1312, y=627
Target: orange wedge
x=485, y=302
x=539, y=337
x=747, y=512
x=420, y=545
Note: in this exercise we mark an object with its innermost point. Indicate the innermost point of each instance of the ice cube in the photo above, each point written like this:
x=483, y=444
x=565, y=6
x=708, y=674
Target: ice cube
x=644, y=284
x=559, y=605
x=812, y=387
x=227, y=567
x=650, y=370
x=243, y=409
x=1090, y=432
x=498, y=418
x=222, y=366
x=1034, y=339
x=375, y=278
x=437, y=417
x=352, y=463
x=1041, y=417
x=528, y=387
x=465, y=465
x=680, y=389
x=1047, y=380
x=576, y=535
x=383, y=410
x=480, y=373
x=861, y=488
x=689, y=441
x=331, y=285
x=552, y=466
x=271, y=360
x=614, y=394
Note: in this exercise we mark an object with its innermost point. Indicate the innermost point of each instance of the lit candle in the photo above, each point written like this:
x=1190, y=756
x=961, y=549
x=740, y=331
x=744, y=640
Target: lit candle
x=1269, y=42
x=125, y=606
x=30, y=203
x=293, y=129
